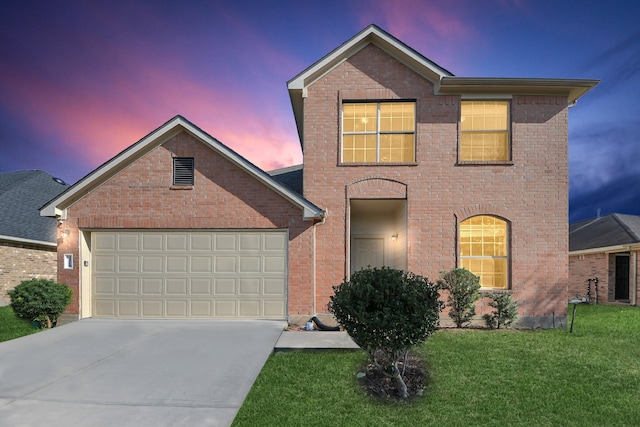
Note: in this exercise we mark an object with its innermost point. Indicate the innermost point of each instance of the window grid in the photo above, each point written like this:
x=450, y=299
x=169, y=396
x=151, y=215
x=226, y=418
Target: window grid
x=484, y=131
x=483, y=250
x=381, y=132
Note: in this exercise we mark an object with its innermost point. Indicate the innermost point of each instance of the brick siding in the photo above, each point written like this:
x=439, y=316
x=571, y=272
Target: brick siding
x=20, y=262
x=531, y=194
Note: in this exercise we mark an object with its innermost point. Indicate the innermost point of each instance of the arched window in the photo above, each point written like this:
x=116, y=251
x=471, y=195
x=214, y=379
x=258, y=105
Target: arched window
x=484, y=251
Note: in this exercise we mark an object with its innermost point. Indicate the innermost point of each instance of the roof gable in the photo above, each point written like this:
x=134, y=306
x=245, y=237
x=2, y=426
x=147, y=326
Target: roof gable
x=158, y=137
x=22, y=193
x=370, y=35
x=604, y=232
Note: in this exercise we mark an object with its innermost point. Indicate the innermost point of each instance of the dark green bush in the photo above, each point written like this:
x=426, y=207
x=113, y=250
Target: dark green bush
x=505, y=313
x=40, y=300
x=387, y=311
x=463, y=287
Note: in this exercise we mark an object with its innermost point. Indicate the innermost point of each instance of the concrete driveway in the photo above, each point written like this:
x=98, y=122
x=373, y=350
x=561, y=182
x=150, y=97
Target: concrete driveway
x=133, y=372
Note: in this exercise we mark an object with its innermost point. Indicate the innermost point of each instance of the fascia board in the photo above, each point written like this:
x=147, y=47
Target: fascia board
x=573, y=89
x=27, y=241
x=310, y=211
x=55, y=207
x=604, y=249
x=375, y=35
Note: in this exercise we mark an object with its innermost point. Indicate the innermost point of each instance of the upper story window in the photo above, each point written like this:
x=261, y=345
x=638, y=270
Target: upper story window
x=483, y=250
x=183, y=171
x=484, y=131
x=378, y=132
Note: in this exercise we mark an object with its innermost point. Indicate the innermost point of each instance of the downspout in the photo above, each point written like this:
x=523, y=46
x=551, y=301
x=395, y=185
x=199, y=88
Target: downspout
x=633, y=277
x=315, y=260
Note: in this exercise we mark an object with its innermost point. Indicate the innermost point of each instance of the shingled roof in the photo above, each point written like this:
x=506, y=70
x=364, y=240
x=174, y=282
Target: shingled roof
x=22, y=194
x=604, y=232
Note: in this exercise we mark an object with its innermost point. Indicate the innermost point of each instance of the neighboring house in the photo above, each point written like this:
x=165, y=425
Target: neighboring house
x=405, y=166
x=607, y=249
x=27, y=240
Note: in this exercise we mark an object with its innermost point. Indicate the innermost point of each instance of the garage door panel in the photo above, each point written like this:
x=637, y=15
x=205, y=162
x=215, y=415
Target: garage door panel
x=128, y=308
x=105, y=286
x=127, y=286
x=177, y=242
x=200, y=274
x=274, y=264
x=104, y=308
x=152, y=264
x=152, y=286
x=201, y=286
x=105, y=263
x=224, y=308
x=274, y=287
x=250, y=242
x=177, y=308
x=249, y=286
x=201, y=264
x=201, y=308
x=225, y=286
x=225, y=264
x=226, y=242
x=128, y=242
x=128, y=264
x=273, y=308
x=250, y=264
x=176, y=287
x=177, y=264
x=152, y=242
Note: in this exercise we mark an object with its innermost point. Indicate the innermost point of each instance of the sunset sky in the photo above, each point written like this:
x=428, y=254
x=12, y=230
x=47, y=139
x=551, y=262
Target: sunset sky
x=82, y=80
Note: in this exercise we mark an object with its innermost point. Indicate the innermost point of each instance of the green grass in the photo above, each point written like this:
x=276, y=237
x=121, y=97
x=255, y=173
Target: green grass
x=476, y=377
x=11, y=326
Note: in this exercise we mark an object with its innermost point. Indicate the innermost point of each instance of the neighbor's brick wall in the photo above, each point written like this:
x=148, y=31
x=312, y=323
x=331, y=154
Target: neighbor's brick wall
x=20, y=262
x=141, y=197
x=531, y=194
x=588, y=266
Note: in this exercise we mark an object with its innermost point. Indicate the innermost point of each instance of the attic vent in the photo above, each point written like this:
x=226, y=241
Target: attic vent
x=183, y=171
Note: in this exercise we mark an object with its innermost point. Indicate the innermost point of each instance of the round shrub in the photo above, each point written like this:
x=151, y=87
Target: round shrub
x=40, y=300
x=386, y=312
x=464, y=290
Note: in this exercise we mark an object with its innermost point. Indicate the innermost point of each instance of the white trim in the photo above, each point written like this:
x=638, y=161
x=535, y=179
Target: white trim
x=606, y=249
x=29, y=241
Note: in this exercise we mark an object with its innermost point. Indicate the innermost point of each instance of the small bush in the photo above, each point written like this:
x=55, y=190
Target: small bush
x=505, y=313
x=463, y=287
x=387, y=311
x=40, y=300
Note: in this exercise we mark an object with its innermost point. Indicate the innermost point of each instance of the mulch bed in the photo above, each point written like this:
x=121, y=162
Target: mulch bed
x=378, y=385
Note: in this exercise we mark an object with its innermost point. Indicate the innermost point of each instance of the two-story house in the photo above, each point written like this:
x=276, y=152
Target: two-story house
x=405, y=165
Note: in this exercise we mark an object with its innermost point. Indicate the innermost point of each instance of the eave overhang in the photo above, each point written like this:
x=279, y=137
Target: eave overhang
x=573, y=89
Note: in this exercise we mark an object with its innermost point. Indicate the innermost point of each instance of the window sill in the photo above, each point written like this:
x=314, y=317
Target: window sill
x=181, y=187
x=486, y=163
x=378, y=164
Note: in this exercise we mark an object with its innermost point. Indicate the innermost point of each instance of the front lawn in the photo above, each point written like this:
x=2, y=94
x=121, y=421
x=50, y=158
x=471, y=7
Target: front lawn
x=476, y=377
x=11, y=326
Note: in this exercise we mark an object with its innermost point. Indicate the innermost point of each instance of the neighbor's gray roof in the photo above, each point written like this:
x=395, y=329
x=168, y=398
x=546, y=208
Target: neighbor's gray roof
x=609, y=230
x=22, y=193
x=290, y=176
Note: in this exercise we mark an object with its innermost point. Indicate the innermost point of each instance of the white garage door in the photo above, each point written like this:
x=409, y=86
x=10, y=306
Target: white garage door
x=172, y=274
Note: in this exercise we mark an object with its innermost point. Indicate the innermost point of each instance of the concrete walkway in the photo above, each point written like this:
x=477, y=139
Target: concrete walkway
x=314, y=340
x=133, y=372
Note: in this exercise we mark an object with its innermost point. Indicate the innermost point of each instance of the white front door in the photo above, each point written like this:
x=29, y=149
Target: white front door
x=368, y=251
